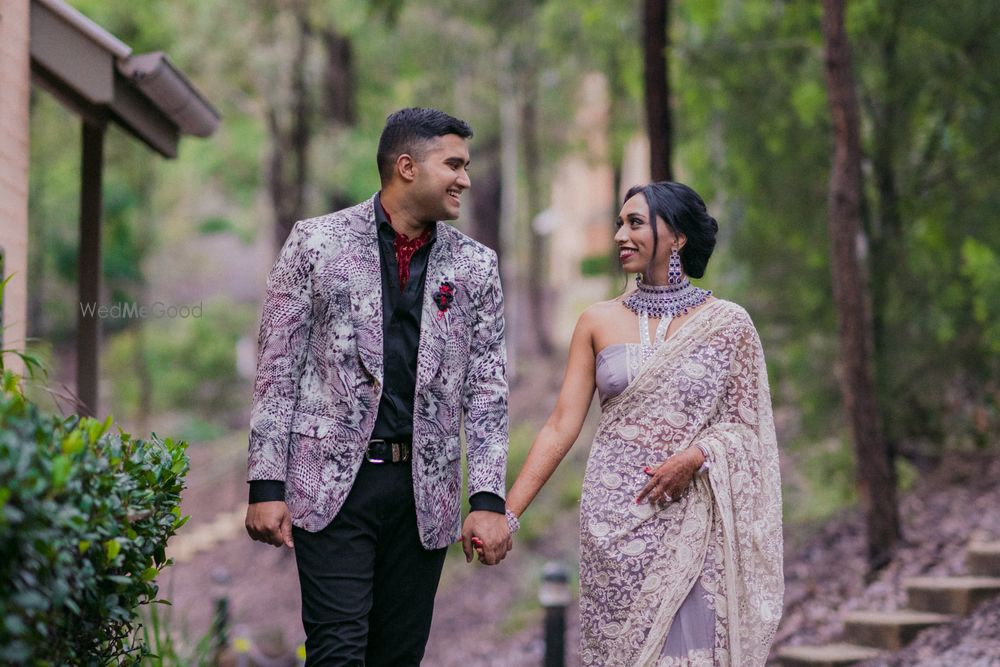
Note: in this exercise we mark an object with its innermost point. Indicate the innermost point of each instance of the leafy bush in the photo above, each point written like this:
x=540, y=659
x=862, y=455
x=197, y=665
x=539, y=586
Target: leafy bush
x=84, y=520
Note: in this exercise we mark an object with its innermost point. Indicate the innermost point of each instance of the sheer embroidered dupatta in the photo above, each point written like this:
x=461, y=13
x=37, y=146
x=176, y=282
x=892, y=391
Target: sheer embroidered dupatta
x=706, y=385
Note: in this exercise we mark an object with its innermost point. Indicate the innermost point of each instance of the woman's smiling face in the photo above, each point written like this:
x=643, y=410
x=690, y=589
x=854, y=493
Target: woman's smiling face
x=634, y=238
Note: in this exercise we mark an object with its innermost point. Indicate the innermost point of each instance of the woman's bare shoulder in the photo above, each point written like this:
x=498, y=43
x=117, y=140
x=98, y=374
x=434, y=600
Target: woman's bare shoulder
x=602, y=310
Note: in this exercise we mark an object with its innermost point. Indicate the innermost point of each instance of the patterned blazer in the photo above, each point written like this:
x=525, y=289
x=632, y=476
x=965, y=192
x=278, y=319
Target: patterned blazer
x=319, y=372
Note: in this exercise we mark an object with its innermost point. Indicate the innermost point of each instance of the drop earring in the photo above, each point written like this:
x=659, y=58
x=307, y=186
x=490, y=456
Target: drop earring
x=675, y=270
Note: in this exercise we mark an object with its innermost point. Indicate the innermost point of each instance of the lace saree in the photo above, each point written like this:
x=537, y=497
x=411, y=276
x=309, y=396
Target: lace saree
x=697, y=581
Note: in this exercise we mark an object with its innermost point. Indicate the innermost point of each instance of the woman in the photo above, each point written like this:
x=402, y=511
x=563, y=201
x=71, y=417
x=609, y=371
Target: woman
x=680, y=526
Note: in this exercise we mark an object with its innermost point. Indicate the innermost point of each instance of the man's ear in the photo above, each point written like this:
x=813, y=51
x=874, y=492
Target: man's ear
x=406, y=167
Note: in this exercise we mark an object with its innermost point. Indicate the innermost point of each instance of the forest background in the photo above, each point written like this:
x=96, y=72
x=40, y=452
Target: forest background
x=555, y=92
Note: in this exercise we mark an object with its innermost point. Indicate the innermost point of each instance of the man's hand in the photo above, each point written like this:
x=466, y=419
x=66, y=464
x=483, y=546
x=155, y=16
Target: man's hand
x=490, y=528
x=270, y=522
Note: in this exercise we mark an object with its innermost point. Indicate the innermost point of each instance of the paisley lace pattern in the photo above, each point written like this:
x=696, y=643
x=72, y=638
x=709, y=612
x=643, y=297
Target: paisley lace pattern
x=320, y=371
x=706, y=385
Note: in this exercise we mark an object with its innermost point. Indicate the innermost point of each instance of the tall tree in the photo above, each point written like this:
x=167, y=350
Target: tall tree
x=538, y=250
x=656, y=20
x=876, y=478
x=288, y=123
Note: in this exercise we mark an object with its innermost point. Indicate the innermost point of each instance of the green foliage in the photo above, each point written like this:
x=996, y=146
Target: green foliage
x=597, y=265
x=84, y=520
x=753, y=128
x=824, y=482
x=161, y=637
x=191, y=361
x=981, y=268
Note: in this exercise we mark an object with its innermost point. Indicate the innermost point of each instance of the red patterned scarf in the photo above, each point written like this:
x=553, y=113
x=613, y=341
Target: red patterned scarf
x=405, y=248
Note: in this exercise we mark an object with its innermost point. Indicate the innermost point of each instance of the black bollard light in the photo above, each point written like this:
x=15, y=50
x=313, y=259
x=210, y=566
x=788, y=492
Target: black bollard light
x=554, y=596
x=220, y=624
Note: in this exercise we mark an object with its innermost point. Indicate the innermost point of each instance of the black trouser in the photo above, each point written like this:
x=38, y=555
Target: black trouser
x=367, y=583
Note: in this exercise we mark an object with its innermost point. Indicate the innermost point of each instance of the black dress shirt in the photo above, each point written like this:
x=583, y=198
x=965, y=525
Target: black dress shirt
x=401, y=315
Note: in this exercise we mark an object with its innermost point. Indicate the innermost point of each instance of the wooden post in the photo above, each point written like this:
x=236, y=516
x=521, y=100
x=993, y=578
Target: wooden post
x=88, y=331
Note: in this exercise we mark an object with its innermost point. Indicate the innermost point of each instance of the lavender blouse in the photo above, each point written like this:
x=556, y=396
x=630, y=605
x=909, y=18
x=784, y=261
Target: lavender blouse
x=616, y=366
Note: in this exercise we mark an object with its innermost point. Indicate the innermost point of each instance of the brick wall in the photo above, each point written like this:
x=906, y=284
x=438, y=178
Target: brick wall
x=15, y=83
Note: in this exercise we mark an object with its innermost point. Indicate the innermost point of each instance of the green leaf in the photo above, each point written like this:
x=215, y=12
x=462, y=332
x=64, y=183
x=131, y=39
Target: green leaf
x=73, y=443
x=96, y=429
x=83, y=546
x=215, y=225
x=112, y=548
x=10, y=382
x=149, y=573
x=61, y=468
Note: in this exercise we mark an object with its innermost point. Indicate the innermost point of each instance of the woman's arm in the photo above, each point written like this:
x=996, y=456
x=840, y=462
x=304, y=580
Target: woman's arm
x=563, y=426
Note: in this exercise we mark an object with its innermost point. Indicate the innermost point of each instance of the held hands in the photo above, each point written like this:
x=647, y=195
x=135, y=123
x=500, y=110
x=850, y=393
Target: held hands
x=671, y=479
x=486, y=533
x=270, y=522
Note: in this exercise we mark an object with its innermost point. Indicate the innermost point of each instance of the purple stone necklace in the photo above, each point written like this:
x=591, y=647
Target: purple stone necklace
x=675, y=298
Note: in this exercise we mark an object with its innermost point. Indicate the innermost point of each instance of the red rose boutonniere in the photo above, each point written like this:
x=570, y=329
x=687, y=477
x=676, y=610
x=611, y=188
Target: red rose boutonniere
x=443, y=298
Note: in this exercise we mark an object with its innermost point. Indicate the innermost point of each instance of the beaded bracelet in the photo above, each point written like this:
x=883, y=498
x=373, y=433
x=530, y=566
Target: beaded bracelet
x=512, y=523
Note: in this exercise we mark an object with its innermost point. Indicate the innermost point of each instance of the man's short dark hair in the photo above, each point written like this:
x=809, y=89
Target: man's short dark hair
x=407, y=130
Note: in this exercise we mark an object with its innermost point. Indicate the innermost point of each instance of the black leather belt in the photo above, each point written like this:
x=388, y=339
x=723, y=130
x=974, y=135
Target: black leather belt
x=383, y=451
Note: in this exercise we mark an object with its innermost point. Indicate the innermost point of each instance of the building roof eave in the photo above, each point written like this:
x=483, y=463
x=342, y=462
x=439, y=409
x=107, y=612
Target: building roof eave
x=88, y=28
x=96, y=75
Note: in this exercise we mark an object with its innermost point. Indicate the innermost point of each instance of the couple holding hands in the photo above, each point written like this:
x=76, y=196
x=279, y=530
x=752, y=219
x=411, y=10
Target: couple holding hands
x=382, y=329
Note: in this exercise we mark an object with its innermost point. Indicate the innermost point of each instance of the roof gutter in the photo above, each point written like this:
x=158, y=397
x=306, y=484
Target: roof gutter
x=167, y=87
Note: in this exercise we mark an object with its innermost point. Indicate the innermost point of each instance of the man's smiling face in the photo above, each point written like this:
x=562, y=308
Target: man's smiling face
x=440, y=177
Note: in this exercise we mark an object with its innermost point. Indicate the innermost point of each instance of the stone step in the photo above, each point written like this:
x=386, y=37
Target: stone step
x=889, y=630
x=950, y=595
x=828, y=655
x=982, y=559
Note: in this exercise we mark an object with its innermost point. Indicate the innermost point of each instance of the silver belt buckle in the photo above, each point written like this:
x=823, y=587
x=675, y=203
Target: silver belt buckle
x=368, y=456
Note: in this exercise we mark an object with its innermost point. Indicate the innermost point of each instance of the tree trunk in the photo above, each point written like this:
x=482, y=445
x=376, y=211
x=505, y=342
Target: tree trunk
x=289, y=166
x=339, y=84
x=486, y=195
x=886, y=230
x=876, y=478
x=537, y=287
x=657, y=85
x=510, y=148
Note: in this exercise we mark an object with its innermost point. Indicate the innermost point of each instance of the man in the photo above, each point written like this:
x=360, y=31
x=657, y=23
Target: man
x=380, y=327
